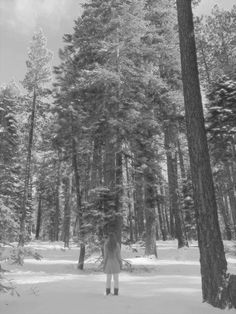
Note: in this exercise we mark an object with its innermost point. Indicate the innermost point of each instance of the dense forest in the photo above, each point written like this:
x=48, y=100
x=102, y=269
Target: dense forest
x=114, y=138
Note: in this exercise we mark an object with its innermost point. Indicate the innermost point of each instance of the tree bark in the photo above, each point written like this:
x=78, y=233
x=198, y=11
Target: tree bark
x=212, y=257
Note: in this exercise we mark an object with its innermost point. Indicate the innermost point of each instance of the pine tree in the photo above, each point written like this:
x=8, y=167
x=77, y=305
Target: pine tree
x=39, y=73
x=221, y=121
x=217, y=285
x=10, y=170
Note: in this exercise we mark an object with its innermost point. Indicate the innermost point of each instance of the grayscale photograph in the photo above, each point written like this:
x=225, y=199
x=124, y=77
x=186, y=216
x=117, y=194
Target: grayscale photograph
x=117, y=156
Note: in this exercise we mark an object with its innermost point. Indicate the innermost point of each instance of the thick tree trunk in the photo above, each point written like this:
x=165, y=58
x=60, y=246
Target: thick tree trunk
x=150, y=213
x=215, y=280
x=22, y=234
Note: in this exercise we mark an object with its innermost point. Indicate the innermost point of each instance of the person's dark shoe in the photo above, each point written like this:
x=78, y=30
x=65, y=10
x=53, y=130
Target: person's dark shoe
x=108, y=291
x=116, y=291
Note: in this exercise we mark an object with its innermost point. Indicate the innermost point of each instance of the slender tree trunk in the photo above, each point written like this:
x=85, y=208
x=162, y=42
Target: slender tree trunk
x=139, y=203
x=162, y=221
x=181, y=161
x=119, y=192
x=79, y=214
x=226, y=205
x=111, y=201
x=215, y=280
x=130, y=211
x=164, y=208
x=224, y=213
x=171, y=158
x=177, y=228
x=150, y=213
x=67, y=210
x=57, y=201
x=230, y=190
x=27, y=174
x=39, y=217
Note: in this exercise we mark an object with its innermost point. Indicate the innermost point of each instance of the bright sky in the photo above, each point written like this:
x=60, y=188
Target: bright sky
x=20, y=18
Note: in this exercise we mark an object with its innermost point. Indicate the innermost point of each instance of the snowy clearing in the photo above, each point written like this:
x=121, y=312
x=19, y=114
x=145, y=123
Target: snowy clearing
x=53, y=285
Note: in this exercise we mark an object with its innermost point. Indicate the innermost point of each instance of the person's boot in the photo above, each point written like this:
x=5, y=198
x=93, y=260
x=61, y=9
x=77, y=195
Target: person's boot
x=116, y=290
x=108, y=291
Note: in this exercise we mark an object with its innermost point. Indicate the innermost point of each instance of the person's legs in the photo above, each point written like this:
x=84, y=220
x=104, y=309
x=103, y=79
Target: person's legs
x=116, y=283
x=108, y=284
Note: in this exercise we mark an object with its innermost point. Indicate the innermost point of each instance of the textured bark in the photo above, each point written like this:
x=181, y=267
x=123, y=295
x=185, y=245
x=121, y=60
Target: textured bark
x=22, y=234
x=212, y=257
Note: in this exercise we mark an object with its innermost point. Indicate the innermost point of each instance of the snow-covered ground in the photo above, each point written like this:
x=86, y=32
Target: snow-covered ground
x=170, y=284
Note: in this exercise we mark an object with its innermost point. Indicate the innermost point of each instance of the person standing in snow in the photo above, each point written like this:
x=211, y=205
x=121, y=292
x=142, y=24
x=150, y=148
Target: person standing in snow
x=112, y=263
